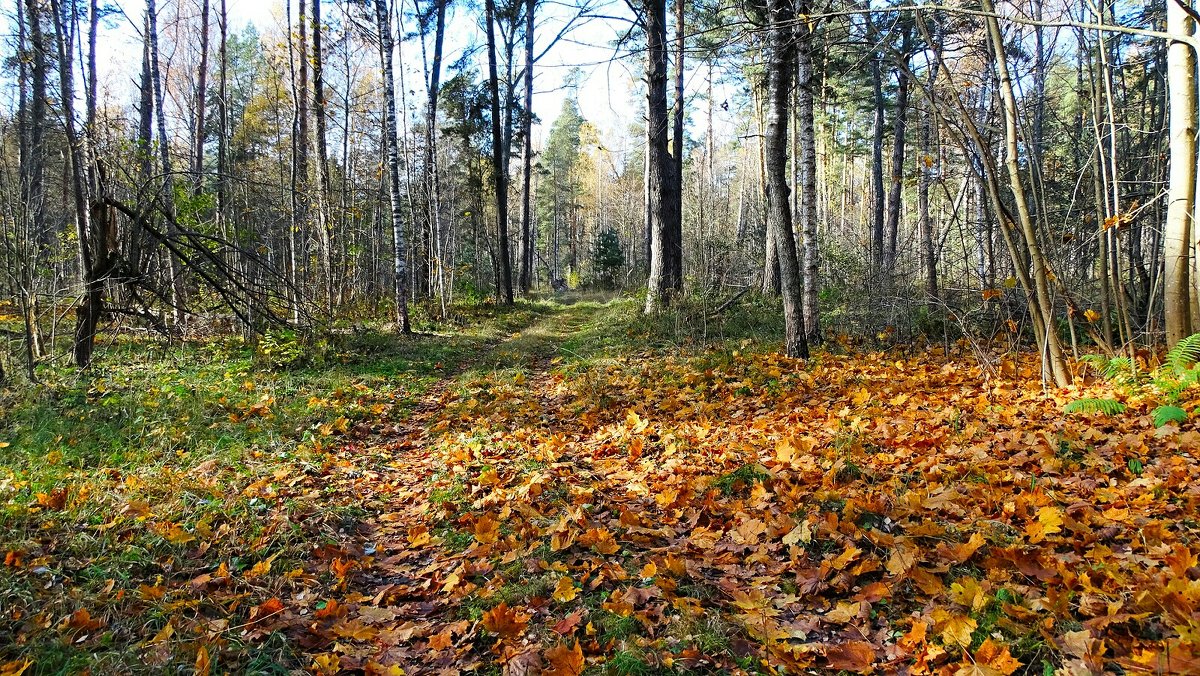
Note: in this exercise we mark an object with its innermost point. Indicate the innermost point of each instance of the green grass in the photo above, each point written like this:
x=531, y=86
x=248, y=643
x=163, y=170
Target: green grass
x=164, y=461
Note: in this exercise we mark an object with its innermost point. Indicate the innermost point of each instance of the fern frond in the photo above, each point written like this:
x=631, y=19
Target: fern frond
x=1185, y=353
x=1169, y=414
x=1105, y=406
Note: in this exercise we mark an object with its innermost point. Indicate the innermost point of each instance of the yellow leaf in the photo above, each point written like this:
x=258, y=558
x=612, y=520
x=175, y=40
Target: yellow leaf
x=1049, y=521
x=487, y=529
x=957, y=630
x=565, y=591
x=649, y=571
x=165, y=633
x=801, y=533
x=844, y=612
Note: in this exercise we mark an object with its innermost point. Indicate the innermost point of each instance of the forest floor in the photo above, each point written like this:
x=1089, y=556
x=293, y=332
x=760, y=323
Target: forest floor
x=570, y=488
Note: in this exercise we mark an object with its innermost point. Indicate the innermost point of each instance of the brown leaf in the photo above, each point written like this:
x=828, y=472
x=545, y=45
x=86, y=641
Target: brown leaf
x=851, y=656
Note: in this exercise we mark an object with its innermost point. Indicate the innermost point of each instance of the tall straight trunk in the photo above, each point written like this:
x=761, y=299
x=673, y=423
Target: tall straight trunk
x=770, y=283
x=1041, y=307
x=201, y=104
x=164, y=155
x=675, y=255
x=432, y=235
x=781, y=67
x=324, y=219
x=1178, y=231
x=877, y=195
x=91, y=307
x=400, y=288
x=223, y=211
x=807, y=161
x=145, y=152
x=661, y=174
x=299, y=163
x=926, y=166
x=33, y=131
x=499, y=161
x=526, y=267
x=899, y=128
x=91, y=94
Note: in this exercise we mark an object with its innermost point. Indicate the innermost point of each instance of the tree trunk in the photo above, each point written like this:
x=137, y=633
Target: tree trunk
x=164, y=150
x=201, y=104
x=925, y=169
x=781, y=66
x=1178, y=231
x=660, y=206
x=400, y=288
x=527, y=244
x=877, y=195
x=499, y=161
x=675, y=254
x=807, y=160
x=324, y=220
x=91, y=306
x=1041, y=306
x=899, y=128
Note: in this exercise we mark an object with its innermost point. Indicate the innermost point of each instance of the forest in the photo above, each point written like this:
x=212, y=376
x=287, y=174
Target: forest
x=630, y=337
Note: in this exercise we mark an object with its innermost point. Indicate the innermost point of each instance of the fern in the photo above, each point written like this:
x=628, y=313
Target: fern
x=1185, y=354
x=1169, y=414
x=1118, y=369
x=1105, y=406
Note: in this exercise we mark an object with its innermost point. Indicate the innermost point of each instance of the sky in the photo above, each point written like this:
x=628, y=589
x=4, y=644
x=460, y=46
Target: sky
x=608, y=94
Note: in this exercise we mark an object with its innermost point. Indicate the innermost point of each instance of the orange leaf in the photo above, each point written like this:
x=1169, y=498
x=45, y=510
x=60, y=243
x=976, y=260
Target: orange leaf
x=487, y=529
x=202, y=661
x=564, y=661
x=505, y=621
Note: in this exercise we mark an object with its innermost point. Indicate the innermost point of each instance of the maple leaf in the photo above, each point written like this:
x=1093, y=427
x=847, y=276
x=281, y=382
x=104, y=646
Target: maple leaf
x=565, y=591
x=55, y=500
x=441, y=641
x=601, y=540
x=957, y=630
x=526, y=664
x=355, y=630
x=327, y=664
x=564, y=661
x=504, y=621
x=331, y=609
x=844, y=612
x=1049, y=521
x=997, y=657
x=487, y=529
x=855, y=656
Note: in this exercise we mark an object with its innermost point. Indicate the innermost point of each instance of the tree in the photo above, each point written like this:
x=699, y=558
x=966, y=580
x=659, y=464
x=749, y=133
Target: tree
x=781, y=67
x=527, y=234
x=400, y=288
x=1178, y=285
x=661, y=215
x=499, y=159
